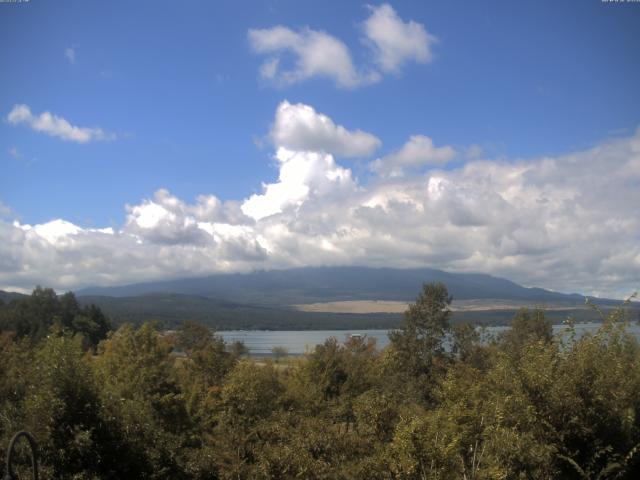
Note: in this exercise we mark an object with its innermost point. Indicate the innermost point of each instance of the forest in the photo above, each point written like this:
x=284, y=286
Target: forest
x=140, y=402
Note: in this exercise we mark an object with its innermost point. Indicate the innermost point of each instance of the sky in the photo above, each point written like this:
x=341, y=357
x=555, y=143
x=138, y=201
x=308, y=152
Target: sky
x=156, y=140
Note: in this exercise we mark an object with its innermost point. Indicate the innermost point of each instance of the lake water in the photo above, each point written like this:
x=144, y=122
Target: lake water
x=297, y=342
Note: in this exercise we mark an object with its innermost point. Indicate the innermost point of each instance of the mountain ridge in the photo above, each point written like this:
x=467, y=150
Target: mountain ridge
x=271, y=299
x=324, y=284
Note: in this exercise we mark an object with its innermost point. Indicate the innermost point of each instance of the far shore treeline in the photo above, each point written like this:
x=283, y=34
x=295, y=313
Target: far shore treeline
x=136, y=402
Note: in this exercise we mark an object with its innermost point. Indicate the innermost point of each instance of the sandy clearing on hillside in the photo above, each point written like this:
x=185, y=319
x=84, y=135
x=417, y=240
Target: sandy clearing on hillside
x=390, y=306
x=355, y=306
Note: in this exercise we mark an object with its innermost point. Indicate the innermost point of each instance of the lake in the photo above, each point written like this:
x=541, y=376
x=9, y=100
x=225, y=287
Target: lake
x=297, y=342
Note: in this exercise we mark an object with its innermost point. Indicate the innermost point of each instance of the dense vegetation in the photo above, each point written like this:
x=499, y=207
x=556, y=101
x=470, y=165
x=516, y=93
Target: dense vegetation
x=142, y=404
x=35, y=316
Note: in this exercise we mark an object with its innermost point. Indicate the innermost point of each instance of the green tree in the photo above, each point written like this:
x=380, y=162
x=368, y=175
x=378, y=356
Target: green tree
x=202, y=370
x=33, y=316
x=250, y=395
x=527, y=326
x=143, y=401
x=53, y=394
x=417, y=351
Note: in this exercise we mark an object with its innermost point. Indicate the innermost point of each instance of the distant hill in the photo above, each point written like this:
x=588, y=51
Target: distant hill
x=264, y=299
x=172, y=309
x=328, y=284
x=6, y=297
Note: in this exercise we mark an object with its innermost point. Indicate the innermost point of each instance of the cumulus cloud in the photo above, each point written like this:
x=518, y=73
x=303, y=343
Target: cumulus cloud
x=168, y=220
x=55, y=126
x=419, y=150
x=300, y=127
x=395, y=42
x=305, y=141
x=565, y=222
x=303, y=175
x=314, y=53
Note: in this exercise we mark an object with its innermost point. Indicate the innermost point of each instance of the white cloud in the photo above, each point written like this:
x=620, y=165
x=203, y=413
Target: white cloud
x=70, y=53
x=305, y=141
x=566, y=222
x=300, y=127
x=313, y=53
x=395, y=42
x=55, y=126
x=168, y=220
x=55, y=230
x=419, y=150
x=303, y=175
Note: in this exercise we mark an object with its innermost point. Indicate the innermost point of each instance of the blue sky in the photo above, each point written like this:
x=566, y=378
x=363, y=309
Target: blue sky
x=176, y=98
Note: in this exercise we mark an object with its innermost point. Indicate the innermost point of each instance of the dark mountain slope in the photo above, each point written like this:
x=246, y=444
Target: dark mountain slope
x=324, y=284
x=172, y=309
x=6, y=297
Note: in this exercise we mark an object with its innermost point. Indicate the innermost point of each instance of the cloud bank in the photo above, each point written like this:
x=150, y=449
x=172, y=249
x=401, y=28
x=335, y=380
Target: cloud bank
x=567, y=222
x=295, y=56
